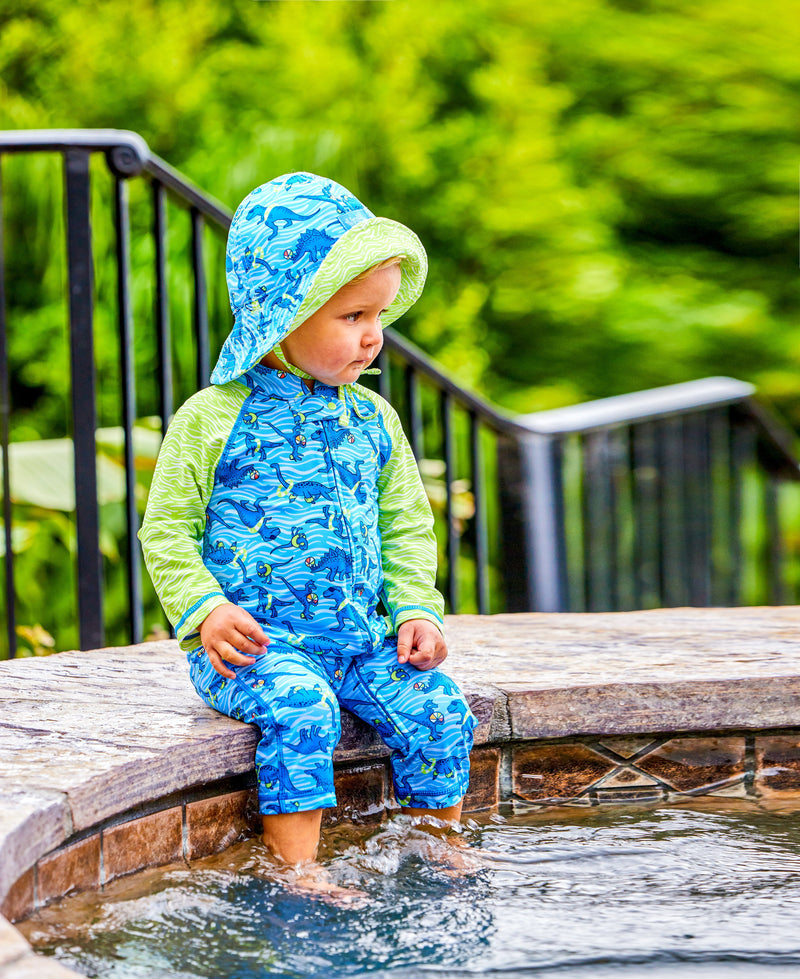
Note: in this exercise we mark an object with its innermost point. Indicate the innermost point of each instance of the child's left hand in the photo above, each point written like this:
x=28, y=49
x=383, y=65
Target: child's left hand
x=420, y=643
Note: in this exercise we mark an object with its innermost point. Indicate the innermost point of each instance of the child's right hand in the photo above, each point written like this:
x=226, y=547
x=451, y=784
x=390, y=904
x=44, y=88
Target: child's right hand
x=230, y=634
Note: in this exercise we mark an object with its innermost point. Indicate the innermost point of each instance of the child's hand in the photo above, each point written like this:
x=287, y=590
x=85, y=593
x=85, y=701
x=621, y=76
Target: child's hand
x=420, y=643
x=230, y=633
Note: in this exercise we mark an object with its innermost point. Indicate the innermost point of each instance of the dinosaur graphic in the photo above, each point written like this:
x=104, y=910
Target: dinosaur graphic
x=306, y=489
x=402, y=790
x=298, y=540
x=311, y=740
x=321, y=775
x=457, y=707
x=250, y=418
x=296, y=441
x=253, y=516
x=319, y=644
x=265, y=570
x=336, y=563
x=213, y=517
x=448, y=767
x=221, y=553
x=342, y=204
x=431, y=718
x=352, y=480
x=284, y=301
x=381, y=456
x=230, y=475
x=296, y=178
x=305, y=595
x=300, y=696
x=258, y=447
x=275, y=777
x=331, y=520
x=434, y=681
x=343, y=608
x=314, y=244
x=333, y=435
x=268, y=603
x=278, y=214
x=235, y=595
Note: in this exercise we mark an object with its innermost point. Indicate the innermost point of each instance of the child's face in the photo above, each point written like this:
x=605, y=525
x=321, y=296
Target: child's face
x=344, y=336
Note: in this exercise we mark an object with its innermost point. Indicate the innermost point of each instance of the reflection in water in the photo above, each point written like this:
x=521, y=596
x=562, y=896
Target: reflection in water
x=567, y=893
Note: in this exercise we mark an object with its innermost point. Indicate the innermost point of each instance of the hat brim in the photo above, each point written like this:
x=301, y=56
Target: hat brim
x=362, y=246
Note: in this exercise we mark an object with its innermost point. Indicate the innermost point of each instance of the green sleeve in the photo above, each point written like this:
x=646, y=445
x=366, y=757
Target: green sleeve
x=408, y=543
x=175, y=519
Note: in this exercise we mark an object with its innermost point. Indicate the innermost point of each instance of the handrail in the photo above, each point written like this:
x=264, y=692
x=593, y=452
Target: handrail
x=665, y=402
x=128, y=155
x=639, y=406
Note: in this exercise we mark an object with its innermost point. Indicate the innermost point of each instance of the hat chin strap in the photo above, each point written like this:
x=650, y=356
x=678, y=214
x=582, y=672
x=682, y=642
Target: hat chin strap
x=344, y=418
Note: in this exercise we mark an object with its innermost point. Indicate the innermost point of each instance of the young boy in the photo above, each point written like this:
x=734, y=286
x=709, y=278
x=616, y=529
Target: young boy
x=287, y=531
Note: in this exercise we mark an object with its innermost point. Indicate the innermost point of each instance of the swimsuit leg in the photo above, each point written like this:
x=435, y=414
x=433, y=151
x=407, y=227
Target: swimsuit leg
x=422, y=716
x=292, y=703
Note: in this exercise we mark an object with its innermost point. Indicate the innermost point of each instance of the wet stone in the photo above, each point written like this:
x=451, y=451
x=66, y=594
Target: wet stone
x=556, y=771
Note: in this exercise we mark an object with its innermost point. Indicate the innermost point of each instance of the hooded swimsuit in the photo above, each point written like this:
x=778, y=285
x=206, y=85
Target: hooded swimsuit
x=306, y=509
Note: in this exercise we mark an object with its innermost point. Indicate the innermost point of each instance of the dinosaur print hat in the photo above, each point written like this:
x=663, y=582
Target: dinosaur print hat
x=292, y=244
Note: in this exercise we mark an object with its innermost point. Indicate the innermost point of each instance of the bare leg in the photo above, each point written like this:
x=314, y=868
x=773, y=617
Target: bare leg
x=293, y=837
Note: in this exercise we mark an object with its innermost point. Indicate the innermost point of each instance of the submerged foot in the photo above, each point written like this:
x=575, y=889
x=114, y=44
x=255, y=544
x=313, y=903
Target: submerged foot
x=313, y=880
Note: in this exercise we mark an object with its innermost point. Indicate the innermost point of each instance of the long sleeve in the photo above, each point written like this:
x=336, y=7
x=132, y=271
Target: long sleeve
x=408, y=543
x=175, y=519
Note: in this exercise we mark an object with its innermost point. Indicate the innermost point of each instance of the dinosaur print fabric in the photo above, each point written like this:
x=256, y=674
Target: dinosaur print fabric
x=294, y=698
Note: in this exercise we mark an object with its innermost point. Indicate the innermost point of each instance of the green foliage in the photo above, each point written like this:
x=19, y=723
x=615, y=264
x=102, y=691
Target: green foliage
x=607, y=189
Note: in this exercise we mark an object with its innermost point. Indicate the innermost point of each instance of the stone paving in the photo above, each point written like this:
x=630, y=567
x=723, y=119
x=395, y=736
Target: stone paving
x=87, y=735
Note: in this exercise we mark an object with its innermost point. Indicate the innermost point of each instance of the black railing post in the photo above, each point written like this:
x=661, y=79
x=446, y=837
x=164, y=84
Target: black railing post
x=128, y=378
x=199, y=302
x=5, y=416
x=415, y=433
x=165, y=396
x=515, y=561
x=84, y=415
x=481, y=530
x=448, y=422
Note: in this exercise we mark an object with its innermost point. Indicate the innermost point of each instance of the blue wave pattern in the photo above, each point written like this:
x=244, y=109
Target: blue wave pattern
x=292, y=524
x=294, y=698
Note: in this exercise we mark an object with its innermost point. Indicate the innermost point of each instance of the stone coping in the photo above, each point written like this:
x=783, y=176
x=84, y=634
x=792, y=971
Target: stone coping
x=87, y=736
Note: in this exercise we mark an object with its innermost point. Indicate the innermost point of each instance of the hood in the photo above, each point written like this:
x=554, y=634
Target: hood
x=292, y=244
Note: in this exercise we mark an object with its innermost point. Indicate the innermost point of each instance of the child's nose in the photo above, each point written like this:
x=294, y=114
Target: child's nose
x=372, y=334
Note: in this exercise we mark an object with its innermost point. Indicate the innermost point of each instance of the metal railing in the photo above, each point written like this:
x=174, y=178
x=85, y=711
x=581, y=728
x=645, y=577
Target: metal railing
x=408, y=377
x=647, y=499
x=628, y=502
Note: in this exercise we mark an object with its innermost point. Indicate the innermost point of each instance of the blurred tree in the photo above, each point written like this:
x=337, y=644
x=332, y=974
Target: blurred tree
x=606, y=187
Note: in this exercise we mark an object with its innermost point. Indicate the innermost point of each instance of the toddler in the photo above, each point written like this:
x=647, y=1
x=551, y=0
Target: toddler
x=287, y=532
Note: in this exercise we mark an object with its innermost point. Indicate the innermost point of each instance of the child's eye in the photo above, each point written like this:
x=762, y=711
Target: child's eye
x=353, y=317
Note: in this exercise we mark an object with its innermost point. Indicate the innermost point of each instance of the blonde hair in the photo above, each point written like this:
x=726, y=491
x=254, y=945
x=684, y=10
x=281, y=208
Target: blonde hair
x=387, y=263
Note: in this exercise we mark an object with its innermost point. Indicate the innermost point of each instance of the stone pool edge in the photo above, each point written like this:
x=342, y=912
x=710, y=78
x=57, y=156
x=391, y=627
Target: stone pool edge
x=620, y=701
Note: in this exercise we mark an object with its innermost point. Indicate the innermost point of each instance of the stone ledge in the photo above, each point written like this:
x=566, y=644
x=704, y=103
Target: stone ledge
x=74, y=758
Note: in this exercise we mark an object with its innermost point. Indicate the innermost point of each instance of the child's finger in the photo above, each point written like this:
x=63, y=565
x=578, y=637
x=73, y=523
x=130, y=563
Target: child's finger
x=219, y=664
x=247, y=644
x=404, y=640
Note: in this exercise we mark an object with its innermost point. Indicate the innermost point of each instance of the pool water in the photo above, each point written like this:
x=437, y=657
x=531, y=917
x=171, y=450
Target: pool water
x=707, y=890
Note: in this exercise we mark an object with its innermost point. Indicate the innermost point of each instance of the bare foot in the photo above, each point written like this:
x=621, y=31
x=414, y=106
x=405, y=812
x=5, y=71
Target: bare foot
x=312, y=880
